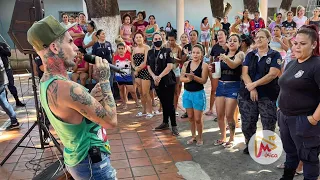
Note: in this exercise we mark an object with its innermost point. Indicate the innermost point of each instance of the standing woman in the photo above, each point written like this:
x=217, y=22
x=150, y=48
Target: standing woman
x=90, y=38
x=300, y=19
x=245, y=25
x=150, y=29
x=183, y=40
x=228, y=89
x=236, y=25
x=125, y=29
x=217, y=49
x=176, y=53
x=278, y=42
x=194, y=74
x=163, y=34
x=140, y=24
x=216, y=26
x=142, y=76
x=315, y=19
x=205, y=33
x=83, y=22
x=160, y=64
x=169, y=27
x=299, y=116
x=275, y=23
x=76, y=33
x=259, y=89
x=188, y=28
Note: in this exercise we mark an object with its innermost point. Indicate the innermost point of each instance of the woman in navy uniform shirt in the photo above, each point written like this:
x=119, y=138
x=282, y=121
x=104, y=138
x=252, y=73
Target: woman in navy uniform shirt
x=299, y=109
x=259, y=89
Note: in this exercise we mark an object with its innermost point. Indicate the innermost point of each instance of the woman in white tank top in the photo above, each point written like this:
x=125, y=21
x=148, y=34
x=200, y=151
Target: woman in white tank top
x=205, y=34
x=90, y=38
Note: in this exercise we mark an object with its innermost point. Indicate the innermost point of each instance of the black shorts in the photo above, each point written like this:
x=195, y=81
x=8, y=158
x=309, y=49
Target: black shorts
x=125, y=83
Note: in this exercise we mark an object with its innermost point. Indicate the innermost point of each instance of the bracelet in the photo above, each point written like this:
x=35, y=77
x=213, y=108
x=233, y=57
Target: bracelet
x=314, y=118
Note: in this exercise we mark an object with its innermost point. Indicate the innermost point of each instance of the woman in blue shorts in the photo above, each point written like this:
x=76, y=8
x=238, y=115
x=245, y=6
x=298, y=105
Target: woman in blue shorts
x=228, y=88
x=194, y=74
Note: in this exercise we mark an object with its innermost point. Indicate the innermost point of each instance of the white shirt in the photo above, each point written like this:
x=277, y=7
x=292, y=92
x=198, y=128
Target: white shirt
x=300, y=21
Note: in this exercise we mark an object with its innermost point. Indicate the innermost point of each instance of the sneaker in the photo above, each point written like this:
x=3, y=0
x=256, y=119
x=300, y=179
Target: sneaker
x=20, y=104
x=175, y=131
x=162, y=126
x=13, y=126
x=246, y=150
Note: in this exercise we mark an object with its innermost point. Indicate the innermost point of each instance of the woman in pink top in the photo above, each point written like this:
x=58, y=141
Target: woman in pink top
x=80, y=70
x=140, y=24
x=76, y=32
x=125, y=29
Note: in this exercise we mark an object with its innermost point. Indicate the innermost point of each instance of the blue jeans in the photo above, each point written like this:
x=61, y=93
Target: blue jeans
x=7, y=107
x=228, y=89
x=86, y=170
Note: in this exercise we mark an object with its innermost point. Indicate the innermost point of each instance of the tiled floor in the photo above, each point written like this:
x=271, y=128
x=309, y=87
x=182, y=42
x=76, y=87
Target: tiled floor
x=138, y=152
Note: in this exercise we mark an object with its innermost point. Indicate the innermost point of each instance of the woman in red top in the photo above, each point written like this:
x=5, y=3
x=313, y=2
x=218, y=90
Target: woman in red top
x=140, y=24
x=80, y=70
x=76, y=32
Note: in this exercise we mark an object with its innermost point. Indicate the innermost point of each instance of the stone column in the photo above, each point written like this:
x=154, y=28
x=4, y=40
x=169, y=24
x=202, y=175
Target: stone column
x=263, y=6
x=180, y=18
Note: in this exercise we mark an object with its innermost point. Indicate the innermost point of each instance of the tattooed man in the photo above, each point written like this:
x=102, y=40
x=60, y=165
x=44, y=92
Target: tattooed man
x=79, y=118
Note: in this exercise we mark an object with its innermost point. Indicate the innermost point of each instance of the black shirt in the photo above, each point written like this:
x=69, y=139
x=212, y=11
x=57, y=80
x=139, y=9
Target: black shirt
x=38, y=62
x=193, y=85
x=299, y=87
x=216, y=51
x=226, y=26
x=289, y=25
x=158, y=60
x=103, y=50
x=229, y=74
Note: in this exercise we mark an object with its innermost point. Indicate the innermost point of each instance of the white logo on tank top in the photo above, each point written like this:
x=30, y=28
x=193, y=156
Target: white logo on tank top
x=299, y=74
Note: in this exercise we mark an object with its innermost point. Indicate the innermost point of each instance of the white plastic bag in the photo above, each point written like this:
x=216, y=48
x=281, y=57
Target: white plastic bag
x=217, y=70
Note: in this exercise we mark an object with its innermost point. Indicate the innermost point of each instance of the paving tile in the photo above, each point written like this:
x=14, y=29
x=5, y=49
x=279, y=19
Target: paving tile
x=170, y=176
x=143, y=171
x=154, y=177
x=117, y=149
x=8, y=166
x=113, y=131
x=118, y=156
x=165, y=168
x=12, y=159
x=124, y=173
x=114, y=136
x=129, y=135
x=23, y=174
x=182, y=156
x=131, y=141
x=157, y=152
x=126, y=179
x=20, y=166
x=17, y=152
x=161, y=159
x=133, y=147
x=115, y=142
x=152, y=144
x=139, y=162
x=146, y=134
x=120, y=164
x=137, y=154
x=28, y=157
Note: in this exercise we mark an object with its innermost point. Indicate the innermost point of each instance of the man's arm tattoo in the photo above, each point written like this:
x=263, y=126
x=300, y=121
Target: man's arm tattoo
x=53, y=94
x=101, y=112
x=78, y=94
x=108, y=96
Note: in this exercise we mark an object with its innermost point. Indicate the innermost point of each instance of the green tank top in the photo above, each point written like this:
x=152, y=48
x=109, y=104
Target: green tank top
x=150, y=31
x=76, y=138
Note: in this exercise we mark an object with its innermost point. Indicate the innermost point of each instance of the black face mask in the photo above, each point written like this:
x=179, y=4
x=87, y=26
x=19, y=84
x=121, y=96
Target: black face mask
x=157, y=43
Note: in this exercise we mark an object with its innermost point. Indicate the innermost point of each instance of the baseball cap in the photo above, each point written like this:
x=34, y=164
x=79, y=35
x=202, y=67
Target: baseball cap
x=42, y=33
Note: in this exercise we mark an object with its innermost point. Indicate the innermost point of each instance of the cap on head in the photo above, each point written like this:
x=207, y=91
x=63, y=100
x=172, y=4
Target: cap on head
x=42, y=33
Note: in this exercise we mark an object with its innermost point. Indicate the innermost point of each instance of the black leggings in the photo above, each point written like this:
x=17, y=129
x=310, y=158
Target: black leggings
x=166, y=96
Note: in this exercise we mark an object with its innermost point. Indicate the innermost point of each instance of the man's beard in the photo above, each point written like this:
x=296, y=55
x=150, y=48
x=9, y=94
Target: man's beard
x=67, y=63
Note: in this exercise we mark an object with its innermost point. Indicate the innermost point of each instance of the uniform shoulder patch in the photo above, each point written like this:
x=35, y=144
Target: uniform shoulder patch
x=279, y=61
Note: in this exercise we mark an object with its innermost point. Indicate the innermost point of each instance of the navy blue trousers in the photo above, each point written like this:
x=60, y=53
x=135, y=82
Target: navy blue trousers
x=301, y=141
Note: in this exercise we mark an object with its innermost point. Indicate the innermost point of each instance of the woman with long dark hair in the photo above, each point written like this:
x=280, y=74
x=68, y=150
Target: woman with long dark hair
x=299, y=109
x=205, y=33
x=140, y=24
x=150, y=29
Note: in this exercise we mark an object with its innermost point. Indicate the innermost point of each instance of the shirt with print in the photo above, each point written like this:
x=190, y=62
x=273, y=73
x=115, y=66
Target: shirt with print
x=124, y=63
x=289, y=25
x=103, y=50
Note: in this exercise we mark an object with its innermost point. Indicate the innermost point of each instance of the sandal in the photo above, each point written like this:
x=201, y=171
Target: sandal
x=199, y=143
x=185, y=115
x=219, y=142
x=281, y=166
x=215, y=119
x=125, y=107
x=228, y=144
x=209, y=113
x=298, y=173
x=157, y=112
x=140, y=114
x=192, y=140
x=149, y=116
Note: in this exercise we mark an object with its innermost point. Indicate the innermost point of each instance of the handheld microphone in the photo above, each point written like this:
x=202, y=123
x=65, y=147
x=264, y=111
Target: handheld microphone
x=91, y=59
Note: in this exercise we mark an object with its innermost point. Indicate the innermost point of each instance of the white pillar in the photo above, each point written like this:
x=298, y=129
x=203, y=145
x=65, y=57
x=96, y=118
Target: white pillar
x=180, y=18
x=84, y=6
x=263, y=6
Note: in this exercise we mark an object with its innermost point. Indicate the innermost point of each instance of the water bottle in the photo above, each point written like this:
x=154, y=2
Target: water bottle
x=216, y=69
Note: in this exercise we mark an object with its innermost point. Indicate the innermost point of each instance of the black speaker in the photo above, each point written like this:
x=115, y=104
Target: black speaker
x=25, y=13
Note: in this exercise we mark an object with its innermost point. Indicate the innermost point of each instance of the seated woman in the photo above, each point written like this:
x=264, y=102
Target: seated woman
x=80, y=70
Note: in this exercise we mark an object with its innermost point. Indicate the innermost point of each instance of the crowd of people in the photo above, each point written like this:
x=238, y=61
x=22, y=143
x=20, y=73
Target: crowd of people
x=255, y=69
